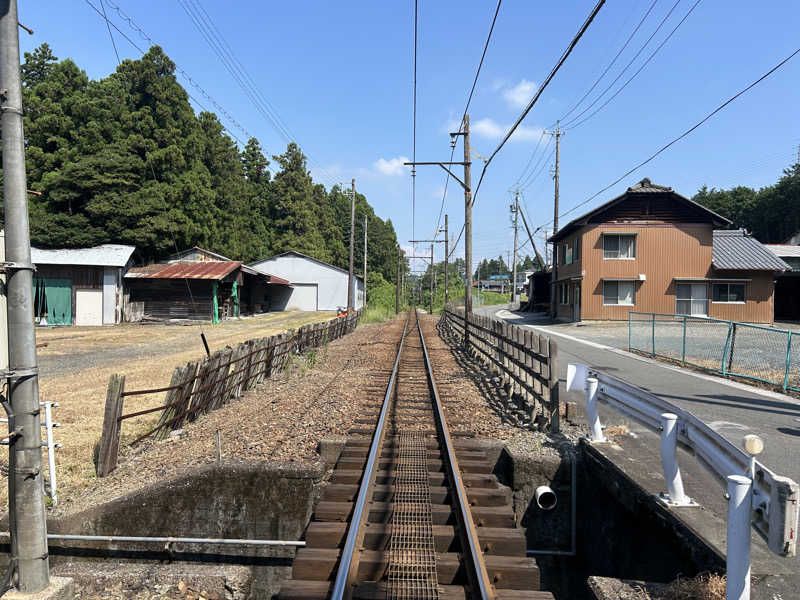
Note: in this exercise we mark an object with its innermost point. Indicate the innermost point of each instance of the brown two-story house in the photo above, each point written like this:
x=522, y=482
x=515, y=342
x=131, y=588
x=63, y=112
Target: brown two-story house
x=652, y=250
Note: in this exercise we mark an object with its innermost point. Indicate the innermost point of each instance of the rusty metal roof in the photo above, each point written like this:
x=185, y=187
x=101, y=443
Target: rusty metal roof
x=185, y=270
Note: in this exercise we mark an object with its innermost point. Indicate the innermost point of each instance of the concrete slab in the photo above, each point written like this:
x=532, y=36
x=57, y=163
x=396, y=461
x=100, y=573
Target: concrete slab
x=60, y=588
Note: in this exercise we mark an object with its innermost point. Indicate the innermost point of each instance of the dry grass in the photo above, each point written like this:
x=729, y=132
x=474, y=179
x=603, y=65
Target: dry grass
x=149, y=354
x=705, y=586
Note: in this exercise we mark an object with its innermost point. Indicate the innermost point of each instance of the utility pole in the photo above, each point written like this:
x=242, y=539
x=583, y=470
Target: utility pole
x=515, y=210
x=557, y=133
x=352, y=238
x=365, y=260
x=467, y=185
x=27, y=522
x=397, y=283
x=446, y=252
x=432, y=276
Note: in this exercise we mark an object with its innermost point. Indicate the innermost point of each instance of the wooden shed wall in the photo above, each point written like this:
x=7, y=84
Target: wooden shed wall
x=170, y=298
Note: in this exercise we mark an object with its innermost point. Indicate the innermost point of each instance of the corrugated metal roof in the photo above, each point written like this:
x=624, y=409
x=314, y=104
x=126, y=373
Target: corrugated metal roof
x=735, y=250
x=107, y=255
x=784, y=250
x=184, y=270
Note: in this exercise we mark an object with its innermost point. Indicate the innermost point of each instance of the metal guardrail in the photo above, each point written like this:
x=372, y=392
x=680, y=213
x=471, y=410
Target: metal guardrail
x=746, y=350
x=757, y=495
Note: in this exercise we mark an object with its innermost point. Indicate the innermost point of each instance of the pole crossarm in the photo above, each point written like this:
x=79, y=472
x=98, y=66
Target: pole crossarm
x=426, y=241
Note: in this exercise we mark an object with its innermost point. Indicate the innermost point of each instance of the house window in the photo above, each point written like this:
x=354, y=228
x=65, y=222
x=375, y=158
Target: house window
x=568, y=251
x=691, y=299
x=618, y=292
x=619, y=246
x=727, y=292
x=563, y=290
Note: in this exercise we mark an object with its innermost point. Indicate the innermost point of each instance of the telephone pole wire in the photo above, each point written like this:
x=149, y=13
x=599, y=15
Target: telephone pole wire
x=27, y=522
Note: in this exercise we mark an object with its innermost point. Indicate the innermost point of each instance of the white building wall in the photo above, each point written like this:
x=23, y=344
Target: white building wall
x=109, y=295
x=331, y=282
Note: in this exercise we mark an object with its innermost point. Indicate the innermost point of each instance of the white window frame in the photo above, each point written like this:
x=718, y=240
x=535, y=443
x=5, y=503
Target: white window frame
x=618, y=282
x=605, y=236
x=563, y=294
x=692, y=299
x=728, y=284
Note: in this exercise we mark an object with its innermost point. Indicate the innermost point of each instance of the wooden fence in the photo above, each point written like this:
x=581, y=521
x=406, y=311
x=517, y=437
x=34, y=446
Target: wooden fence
x=526, y=362
x=208, y=384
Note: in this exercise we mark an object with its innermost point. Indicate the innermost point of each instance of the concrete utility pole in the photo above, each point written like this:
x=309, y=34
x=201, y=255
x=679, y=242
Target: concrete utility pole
x=397, y=283
x=446, y=252
x=553, y=299
x=365, y=260
x=467, y=185
x=433, y=274
x=515, y=210
x=25, y=480
x=352, y=238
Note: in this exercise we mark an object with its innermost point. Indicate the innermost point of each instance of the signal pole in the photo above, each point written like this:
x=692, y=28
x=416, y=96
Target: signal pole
x=467, y=185
x=365, y=260
x=557, y=133
x=27, y=522
x=515, y=211
x=352, y=239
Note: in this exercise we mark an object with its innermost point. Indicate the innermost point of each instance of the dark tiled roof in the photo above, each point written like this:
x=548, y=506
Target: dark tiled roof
x=645, y=186
x=735, y=250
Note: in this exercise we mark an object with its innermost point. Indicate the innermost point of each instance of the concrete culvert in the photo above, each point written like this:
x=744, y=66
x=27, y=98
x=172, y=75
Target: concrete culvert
x=546, y=498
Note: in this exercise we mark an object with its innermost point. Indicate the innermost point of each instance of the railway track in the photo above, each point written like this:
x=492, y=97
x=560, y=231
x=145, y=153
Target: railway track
x=411, y=510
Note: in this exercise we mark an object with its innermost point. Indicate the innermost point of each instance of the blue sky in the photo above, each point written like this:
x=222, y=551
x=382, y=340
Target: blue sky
x=339, y=74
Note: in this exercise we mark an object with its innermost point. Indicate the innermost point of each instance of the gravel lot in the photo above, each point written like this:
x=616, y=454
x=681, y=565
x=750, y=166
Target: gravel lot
x=285, y=417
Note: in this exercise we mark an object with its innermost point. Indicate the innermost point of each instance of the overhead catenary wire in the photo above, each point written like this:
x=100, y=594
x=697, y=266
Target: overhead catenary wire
x=533, y=101
x=464, y=114
x=414, y=131
x=682, y=135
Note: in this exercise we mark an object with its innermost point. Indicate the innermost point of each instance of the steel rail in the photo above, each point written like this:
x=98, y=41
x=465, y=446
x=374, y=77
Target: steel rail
x=348, y=567
x=476, y=568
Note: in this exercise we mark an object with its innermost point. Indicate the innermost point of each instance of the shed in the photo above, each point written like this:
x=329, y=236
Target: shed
x=317, y=285
x=80, y=286
x=787, y=283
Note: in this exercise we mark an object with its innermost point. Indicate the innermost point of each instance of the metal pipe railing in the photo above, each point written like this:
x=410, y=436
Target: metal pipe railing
x=167, y=540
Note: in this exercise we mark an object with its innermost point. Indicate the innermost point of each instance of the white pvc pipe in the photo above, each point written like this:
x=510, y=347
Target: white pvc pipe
x=669, y=459
x=546, y=498
x=740, y=490
x=591, y=410
x=51, y=452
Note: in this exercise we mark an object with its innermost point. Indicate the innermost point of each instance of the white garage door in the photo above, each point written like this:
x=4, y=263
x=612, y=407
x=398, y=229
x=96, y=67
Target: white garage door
x=88, y=307
x=304, y=297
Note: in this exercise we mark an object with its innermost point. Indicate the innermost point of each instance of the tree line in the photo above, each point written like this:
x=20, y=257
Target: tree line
x=125, y=159
x=771, y=214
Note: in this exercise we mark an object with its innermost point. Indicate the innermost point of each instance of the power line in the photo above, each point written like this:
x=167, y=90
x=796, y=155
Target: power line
x=530, y=160
x=541, y=165
x=541, y=89
x=685, y=133
x=639, y=70
x=183, y=73
x=216, y=41
x=611, y=64
x=466, y=108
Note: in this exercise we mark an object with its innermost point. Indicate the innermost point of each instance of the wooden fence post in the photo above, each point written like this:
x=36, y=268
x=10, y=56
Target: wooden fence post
x=109, y=440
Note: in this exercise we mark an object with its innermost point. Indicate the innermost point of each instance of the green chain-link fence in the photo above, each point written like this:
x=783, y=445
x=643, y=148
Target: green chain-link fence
x=728, y=347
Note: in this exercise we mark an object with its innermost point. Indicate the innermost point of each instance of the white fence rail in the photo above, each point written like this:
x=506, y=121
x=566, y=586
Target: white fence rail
x=768, y=501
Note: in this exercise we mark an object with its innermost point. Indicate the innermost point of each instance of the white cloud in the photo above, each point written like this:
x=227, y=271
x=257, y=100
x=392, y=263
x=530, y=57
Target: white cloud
x=491, y=129
x=391, y=167
x=519, y=95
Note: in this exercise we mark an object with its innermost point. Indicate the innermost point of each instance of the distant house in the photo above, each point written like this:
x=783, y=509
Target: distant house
x=653, y=250
x=80, y=286
x=787, y=284
x=200, y=285
x=316, y=285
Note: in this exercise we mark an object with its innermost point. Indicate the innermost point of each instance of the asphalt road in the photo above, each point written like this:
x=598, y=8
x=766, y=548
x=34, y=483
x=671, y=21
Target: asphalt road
x=730, y=408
